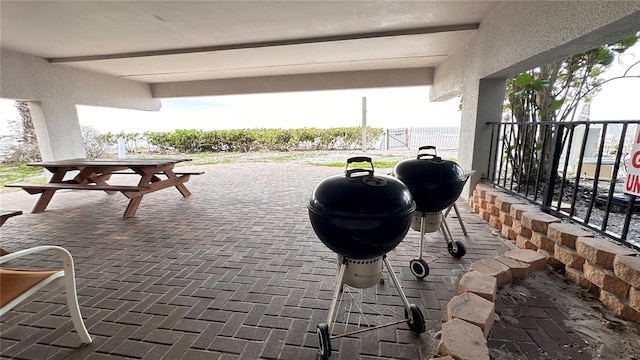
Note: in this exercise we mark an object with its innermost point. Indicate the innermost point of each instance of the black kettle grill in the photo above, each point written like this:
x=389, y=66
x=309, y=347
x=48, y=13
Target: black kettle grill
x=435, y=185
x=361, y=216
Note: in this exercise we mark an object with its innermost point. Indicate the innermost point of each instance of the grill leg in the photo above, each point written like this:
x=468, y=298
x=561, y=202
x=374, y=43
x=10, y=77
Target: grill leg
x=447, y=234
x=394, y=278
x=336, y=292
x=464, y=229
x=419, y=268
x=422, y=230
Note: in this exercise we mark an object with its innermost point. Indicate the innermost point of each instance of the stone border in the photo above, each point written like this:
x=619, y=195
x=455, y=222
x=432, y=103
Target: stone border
x=472, y=313
x=607, y=270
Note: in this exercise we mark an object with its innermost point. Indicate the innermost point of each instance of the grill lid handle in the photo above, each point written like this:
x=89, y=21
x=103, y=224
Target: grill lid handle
x=424, y=152
x=358, y=159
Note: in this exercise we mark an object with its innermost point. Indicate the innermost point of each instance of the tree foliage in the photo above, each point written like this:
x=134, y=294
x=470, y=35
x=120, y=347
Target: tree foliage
x=96, y=145
x=551, y=93
x=554, y=91
x=243, y=140
x=25, y=148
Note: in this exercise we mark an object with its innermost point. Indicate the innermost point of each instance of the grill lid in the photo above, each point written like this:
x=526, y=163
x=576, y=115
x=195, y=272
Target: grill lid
x=360, y=215
x=434, y=183
x=361, y=194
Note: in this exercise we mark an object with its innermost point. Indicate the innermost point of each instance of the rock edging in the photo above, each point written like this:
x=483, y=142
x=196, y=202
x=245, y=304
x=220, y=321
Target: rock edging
x=587, y=260
x=607, y=270
x=473, y=311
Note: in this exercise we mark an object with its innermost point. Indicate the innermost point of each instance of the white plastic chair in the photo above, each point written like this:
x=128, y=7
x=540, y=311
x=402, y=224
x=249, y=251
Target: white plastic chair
x=16, y=285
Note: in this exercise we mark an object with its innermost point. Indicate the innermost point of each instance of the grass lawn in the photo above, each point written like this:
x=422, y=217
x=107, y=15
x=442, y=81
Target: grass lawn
x=10, y=173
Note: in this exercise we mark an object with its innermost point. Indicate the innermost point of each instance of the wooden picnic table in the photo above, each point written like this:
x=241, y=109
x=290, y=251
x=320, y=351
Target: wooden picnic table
x=6, y=214
x=94, y=174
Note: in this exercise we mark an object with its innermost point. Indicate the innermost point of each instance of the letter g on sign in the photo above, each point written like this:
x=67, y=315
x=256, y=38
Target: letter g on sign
x=635, y=160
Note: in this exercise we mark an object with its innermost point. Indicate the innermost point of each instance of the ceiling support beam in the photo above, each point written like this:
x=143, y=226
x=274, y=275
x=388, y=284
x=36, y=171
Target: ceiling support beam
x=263, y=44
x=300, y=82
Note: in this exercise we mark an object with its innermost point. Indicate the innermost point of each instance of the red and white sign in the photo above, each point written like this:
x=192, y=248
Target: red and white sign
x=632, y=185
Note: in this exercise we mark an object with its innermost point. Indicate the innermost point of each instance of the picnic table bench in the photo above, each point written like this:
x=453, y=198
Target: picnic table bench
x=94, y=174
x=159, y=173
x=38, y=188
x=6, y=214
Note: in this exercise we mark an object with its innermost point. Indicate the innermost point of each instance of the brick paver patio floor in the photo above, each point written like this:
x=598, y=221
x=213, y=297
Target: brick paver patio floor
x=233, y=272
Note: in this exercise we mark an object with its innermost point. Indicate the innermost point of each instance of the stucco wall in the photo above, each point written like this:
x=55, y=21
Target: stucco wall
x=55, y=90
x=515, y=37
x=31, y=78
x=518, y=36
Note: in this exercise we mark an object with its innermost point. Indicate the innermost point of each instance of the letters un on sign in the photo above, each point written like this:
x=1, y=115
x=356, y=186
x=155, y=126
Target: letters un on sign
x=632, y=185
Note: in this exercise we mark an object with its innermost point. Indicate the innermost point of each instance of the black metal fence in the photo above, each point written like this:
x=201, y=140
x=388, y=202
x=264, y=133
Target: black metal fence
x=413, y=138
x=574, y=170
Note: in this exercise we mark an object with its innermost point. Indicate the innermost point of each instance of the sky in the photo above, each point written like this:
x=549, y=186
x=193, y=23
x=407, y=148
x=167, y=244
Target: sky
x=391, y=107
x=619, y=99
x=386, y=108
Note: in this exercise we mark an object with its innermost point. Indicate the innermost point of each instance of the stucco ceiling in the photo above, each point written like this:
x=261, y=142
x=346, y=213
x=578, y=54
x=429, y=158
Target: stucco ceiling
x=168, y=41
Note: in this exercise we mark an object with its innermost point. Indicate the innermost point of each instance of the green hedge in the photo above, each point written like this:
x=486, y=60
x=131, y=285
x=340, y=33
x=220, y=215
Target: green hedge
x=244, y=140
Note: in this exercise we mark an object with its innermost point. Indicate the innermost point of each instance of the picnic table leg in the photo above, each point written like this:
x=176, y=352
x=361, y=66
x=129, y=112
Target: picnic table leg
x=183, y=189
x=43, y=201
x=132, y=207
x=47, y=194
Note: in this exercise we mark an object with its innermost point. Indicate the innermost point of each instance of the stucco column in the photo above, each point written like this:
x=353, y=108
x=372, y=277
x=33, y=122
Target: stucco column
x=482, y=102
x=57, y=129
x=53, y=91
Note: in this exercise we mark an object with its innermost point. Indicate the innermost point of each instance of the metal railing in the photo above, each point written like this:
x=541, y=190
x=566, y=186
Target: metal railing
x=413, y=138
x=574, y=170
